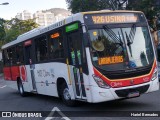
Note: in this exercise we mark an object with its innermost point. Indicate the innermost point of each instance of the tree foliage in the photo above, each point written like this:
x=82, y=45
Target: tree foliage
x=117, y=4
x=93, y=5
x=87, y=5
x=2, y=30
x=16, y=27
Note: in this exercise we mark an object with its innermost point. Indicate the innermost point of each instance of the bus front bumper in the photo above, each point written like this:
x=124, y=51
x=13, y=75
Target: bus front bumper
x=102, y=95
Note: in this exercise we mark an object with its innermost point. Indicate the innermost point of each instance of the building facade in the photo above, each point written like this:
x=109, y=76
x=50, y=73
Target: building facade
x=44, y=17
x=25, y=15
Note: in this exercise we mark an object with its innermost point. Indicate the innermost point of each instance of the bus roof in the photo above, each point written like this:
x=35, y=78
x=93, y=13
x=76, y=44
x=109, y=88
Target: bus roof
x=78, y=16
x=111, y=11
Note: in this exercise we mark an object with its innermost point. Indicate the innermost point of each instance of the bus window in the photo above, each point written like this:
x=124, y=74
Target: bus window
x=12, y=55
x=19, y=54
x=6, y=58
x=56, y=45
x=41, y=48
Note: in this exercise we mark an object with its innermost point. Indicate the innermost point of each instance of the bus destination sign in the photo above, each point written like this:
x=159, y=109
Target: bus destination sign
x=113, y=18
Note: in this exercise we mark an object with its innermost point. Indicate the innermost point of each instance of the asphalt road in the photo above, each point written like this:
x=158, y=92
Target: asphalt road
x=10, y=100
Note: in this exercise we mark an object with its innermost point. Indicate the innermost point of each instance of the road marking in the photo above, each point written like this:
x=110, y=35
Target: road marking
x=3, y=86
x=59, y=112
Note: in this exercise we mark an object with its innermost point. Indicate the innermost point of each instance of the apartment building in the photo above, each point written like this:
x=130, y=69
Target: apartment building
x=25, y=15
x=44, y=17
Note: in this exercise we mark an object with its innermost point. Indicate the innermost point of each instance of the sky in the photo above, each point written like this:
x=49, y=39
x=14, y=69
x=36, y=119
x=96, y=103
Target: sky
x=17, y=6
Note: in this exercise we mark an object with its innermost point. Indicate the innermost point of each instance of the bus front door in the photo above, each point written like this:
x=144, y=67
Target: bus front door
x=75, y=61
x=31, y=67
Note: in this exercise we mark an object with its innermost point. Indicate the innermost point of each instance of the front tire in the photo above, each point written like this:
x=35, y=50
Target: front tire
x=66, y=97
x=20, y=88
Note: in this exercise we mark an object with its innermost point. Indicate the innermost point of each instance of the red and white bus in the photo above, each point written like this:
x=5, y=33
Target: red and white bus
x=90, y=56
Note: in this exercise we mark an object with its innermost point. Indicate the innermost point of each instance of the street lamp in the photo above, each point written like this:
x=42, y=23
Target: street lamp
x=6, y=3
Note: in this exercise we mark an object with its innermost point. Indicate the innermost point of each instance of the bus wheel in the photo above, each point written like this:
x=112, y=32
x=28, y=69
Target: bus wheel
x=20, y=88
x=66, y=97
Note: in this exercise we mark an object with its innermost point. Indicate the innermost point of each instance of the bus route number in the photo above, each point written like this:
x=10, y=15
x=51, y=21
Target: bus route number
x=113, y=19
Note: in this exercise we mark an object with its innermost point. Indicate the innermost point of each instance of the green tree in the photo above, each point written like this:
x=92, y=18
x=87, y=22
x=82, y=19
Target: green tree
x=2, y=30
x=93, y=5
x=117, y=4
x=87, y=5
x=16, y=27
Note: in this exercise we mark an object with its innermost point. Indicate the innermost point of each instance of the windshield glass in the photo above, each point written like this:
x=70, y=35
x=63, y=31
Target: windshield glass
x=121, y=48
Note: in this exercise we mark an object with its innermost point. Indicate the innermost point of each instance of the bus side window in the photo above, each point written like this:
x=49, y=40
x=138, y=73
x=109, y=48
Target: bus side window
x=14, y=56
x=19, y=54
x=10, y=54
x=41, y=48
x=6, y=58
x=56, y=45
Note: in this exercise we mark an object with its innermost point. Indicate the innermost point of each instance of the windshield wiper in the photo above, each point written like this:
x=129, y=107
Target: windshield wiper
x=117, y=40
x=130, y=37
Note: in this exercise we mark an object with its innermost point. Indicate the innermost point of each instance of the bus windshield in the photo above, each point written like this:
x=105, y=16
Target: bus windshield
x=121, y=48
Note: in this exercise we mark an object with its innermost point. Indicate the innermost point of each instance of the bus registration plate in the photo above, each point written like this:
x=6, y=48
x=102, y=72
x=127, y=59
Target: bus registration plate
x=133, y=94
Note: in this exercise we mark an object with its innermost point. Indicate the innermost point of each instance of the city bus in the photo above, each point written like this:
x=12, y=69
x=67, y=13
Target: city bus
x=92, y=56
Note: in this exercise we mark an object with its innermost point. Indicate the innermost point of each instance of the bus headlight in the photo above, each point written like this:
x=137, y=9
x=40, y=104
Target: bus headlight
x=155, y=74
x=100, y=82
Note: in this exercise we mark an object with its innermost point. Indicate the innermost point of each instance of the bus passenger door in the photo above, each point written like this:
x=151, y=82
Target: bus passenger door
x=31, y=67
x=74, y=40
x=8, y=63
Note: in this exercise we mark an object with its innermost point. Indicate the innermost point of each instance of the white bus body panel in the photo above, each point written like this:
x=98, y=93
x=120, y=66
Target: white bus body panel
x=27, y=84
x=46, y=76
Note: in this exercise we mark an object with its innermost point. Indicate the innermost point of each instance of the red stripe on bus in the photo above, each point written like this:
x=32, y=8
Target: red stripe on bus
x=11, y=73
x=7, y=73
x=116, y=83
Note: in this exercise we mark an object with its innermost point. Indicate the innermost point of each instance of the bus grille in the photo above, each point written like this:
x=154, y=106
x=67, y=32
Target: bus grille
x=125, y=92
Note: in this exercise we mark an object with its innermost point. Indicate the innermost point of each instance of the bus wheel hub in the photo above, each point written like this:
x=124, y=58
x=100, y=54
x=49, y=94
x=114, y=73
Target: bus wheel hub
x=66, y=94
